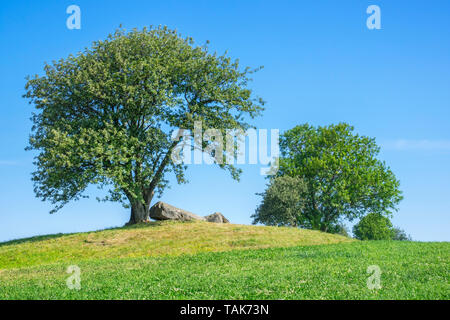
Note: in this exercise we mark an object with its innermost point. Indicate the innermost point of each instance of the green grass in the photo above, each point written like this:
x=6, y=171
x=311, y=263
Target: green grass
x=154, y=239
x=250, y=263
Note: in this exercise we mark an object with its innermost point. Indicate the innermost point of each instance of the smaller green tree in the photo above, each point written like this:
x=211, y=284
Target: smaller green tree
x=340, y=228
x=282, y=203
x=373, y=226
x=400, y=235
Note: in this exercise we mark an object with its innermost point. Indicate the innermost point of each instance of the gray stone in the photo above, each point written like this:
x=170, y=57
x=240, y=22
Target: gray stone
x=217, y=217
x=164, y=211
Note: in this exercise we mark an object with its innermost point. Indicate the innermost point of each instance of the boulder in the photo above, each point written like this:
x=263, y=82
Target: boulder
x=164, y=211
x=216, y=217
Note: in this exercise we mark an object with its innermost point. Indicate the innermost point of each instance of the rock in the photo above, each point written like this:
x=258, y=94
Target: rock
x=217, y=217
x=164, y=211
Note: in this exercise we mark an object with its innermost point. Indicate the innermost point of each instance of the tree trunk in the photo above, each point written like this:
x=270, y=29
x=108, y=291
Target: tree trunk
x=140, y=212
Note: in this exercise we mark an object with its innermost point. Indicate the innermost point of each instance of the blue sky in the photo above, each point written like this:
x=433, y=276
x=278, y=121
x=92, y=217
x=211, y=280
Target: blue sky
x=321, y=65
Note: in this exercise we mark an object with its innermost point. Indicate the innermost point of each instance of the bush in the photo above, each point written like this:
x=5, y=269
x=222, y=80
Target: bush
x=373, y=226
x=400, y=235
x=282, y=203
x=340, y=229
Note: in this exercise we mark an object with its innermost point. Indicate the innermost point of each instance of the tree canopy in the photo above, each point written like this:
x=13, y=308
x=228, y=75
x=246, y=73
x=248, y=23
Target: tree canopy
x=343, y=177
x=400, y=235
x=282, y=203
x=374, y=226
x=106, y=116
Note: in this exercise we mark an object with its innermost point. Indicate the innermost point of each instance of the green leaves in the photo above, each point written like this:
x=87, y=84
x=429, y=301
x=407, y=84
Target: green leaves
x=344, y=178
x=106, y=115
x=283, y=203
x=374, y=226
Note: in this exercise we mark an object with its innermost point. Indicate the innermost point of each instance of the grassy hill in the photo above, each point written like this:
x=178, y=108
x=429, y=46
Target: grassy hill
x=167, y=238
x=200, y=260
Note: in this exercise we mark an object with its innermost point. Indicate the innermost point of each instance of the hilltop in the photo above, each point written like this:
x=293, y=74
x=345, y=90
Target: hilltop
x=166, y=238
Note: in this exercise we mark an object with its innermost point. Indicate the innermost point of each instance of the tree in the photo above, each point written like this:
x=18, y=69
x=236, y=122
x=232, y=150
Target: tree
x=282, y=203
x=373, y=226
x=343, y=177
x=107, y=115
x=339, y=228
x=400, y=235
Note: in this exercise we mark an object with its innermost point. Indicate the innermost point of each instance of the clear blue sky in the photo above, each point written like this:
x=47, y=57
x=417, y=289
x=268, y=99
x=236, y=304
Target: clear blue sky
x=322, y=66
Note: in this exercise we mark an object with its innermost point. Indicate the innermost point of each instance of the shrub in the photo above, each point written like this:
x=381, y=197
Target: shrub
x=400, y=235
x=282, y=203
x=373, y=226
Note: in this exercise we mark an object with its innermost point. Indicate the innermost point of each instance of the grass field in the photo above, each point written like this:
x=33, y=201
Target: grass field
x=213, y=261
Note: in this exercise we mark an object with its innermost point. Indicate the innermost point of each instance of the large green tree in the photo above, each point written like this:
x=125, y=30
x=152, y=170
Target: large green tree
x=106, y=116
x=343, y=177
